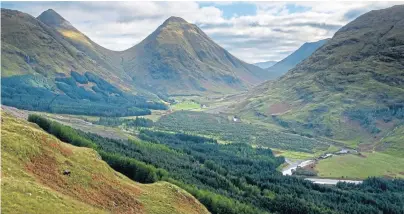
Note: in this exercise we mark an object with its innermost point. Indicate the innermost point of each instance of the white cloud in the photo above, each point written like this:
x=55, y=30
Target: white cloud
x=276, y=30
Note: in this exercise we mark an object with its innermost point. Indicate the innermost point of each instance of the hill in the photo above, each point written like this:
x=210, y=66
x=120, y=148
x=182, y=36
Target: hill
x=350, y=89
x=33, y=182
x=266, y=64
x=48, y=65
x=178, y=57
x=283, y=66
x=44, y=70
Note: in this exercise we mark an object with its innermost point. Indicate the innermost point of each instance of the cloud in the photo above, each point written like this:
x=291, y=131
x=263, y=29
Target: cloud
x=272, y=32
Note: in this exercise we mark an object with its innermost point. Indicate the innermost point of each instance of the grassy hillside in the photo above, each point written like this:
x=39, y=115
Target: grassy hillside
x=46, y=69
x=180, y=58
x=351, y=89
x=32, y=179
x=233, y=178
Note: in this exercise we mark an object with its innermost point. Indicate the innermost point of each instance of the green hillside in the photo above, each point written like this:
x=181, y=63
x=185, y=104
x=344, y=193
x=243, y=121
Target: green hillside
x=43, y=70
x=48, y=65
x=351, y=89
x=228, y=178
x=32, y=179
x=180, y=58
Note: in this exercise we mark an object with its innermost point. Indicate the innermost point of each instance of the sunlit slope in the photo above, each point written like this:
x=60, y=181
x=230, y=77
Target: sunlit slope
x=178, y=57
x=350, y=89
x=107, y=59
x=30, y=46
x=32, y=179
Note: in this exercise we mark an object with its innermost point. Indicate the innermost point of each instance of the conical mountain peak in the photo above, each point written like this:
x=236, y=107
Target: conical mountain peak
x=53, y=19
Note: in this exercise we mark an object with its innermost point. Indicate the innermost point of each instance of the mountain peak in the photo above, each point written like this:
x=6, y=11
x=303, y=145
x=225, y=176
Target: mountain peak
x=53, y=19
x=175, y=19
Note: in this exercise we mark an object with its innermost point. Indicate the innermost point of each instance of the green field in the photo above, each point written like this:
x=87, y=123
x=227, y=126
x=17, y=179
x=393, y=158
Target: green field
x=360, y=167
x=186, y=105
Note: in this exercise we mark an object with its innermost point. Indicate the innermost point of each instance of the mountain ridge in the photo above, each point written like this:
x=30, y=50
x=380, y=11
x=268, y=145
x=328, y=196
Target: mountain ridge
x=302, y=53
x=350, y=89
x=265, y=64
x=46, y=55
x=180, y=51
x=195, y=63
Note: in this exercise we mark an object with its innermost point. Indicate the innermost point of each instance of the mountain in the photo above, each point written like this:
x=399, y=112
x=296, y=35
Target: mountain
x=266, y=64
x=32, y=180
x=108, y=59
x=44, y=70
x=49, y=65
x=178, y=57
x=351, y=89
x=295, y=58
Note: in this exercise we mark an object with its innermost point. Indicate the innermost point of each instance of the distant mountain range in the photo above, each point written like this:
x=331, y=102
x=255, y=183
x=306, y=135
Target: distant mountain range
x=350, y=88
x=283, y=66
x=48, y=65
x=266, y=64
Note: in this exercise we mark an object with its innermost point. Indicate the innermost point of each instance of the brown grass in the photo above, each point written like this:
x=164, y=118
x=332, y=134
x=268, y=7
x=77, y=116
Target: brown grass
x=279, y=108
x=101, y=192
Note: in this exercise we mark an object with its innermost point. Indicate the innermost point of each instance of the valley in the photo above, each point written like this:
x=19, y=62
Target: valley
x=190, y=116
x=177, y=124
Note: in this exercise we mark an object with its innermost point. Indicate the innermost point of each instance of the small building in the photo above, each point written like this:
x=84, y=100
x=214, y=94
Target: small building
x=325, y=156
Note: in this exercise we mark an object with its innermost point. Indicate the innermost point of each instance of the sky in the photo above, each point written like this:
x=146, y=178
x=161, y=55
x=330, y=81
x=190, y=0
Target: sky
x=252, y=31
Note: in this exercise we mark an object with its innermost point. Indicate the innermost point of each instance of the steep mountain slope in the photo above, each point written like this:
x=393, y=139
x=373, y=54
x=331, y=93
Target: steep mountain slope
x=33, y=182
x=350, y=89
x=30, y=46
x=48, y=65
x=108, y=59
x=43, y=70
x=266, y=64
x=295, y=58
x=179, y=58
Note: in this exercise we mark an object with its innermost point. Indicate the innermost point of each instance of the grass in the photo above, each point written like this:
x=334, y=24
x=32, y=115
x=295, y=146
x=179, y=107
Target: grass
x=186, y=105
x=360, y=167
x=293, y=155
x=32, y=180
x=393, y=144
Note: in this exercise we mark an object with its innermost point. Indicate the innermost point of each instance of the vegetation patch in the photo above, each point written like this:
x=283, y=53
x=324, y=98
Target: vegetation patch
x=216, y=125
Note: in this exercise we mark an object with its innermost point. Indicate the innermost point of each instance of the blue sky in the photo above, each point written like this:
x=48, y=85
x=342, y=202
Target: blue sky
x=252, y=31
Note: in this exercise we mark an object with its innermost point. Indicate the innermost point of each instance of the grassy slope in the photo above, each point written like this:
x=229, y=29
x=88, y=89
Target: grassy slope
x=179, y=58
x=357, y=69
x=360, y=167
x=32, y=180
